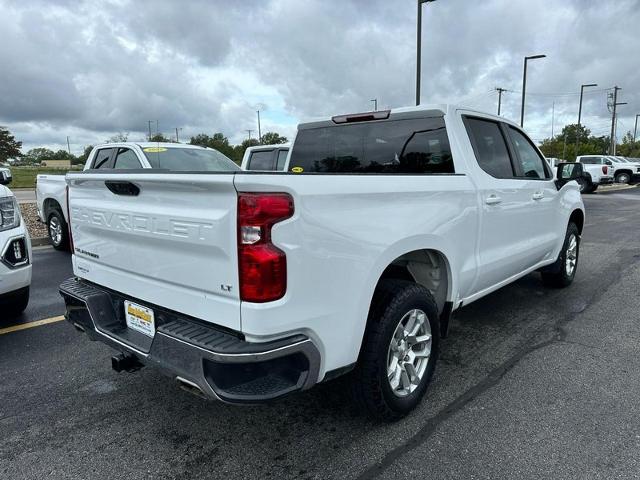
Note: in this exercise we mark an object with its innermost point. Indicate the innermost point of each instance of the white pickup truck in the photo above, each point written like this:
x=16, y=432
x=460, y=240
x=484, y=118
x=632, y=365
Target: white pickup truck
x=246, y=286
x=15, y=253
x=51, y=190
x=599, y=171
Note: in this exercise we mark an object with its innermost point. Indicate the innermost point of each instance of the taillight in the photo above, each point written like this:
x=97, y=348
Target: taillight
x=262, y=266
x=69, y=221
x=604, y=169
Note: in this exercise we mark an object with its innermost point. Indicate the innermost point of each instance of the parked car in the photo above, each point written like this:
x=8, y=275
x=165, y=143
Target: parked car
x=245, y=287
x=266, y=157
x=625, y=170
x=599, y=170
x=51, y=198
x=15, y=253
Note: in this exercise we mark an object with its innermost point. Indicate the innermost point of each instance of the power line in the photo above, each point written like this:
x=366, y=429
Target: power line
x=565, y=94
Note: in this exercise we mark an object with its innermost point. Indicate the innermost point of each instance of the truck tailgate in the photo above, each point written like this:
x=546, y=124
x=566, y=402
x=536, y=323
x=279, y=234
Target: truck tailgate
x=165, y=239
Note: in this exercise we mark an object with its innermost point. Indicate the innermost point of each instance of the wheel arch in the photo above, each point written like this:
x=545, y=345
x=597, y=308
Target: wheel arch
x=430, y=266
x=49, y=205
x=577, y=217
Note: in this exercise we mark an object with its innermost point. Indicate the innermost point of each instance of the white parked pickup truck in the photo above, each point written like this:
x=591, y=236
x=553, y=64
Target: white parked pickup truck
x=15, y=253
x=246, y=286
x=266, y=157
x=599, y=170
x=51, y=190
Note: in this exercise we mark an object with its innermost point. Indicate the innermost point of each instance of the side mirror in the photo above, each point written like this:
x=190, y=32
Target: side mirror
x=568, y=172
x=5, y=176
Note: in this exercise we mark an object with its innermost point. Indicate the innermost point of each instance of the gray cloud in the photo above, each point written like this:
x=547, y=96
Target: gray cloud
x=89, y=69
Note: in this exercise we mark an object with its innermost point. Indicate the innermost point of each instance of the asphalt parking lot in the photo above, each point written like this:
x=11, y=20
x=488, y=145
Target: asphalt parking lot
x=532, y=383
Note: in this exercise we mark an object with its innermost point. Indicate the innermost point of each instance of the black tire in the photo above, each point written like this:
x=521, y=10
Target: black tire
x=556, y=275
x=54, y=221
x=589, y=187
x=623, y=178
x=16, y=303
x=370, y=384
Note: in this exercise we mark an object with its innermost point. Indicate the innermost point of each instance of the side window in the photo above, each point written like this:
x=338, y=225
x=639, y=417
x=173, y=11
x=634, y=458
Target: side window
x=587, y=160
x=531, y=163
x=282, y=158
x=261, y=160
x=102, y=158
x=126, y=159
x=490, y=147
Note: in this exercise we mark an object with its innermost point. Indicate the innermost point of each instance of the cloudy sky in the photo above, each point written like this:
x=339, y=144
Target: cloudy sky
x=90, y=69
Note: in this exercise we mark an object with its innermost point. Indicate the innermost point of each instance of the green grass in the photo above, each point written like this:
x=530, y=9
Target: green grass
x=25, y=177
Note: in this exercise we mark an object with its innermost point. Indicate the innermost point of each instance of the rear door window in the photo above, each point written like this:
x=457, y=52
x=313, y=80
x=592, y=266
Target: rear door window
x=261, y=160
x=411, y=146
x=126, y=159
x=102, y=159
x=531, y=163
x=490, y=147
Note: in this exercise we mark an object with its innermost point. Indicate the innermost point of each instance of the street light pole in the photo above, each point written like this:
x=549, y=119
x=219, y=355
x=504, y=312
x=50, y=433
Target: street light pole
x=635, y=129
x=524, y=84
x=582, y=87
x=419, y=48
x=375, y=104
x=259, y=130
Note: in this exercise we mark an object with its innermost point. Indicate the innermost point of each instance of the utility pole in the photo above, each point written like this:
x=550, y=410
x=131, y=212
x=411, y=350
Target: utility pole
x=582, y=87
x=524, y=84
x=259, y=131
x=612, y=148
x=564, y=147
x=553, y=117
x=500, y=91
x=419, y=48
x=69, y=146
x=375, y=104
x=635, y=129
x=149, y=122
x=249, y=132
x=177, y=139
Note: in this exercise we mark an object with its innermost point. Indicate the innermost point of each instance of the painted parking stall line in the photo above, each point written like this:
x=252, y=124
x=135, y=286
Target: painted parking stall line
x=25, y=326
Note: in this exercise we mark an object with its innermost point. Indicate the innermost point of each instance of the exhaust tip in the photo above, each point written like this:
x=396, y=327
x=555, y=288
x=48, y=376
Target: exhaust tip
x=190, y=387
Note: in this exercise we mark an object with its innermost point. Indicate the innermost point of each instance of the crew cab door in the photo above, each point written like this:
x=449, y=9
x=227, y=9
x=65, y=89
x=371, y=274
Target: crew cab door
x=508, y=241
x=536, y=178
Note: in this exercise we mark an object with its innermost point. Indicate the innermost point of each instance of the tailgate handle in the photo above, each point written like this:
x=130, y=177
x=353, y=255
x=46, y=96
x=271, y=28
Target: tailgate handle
x=122, y=188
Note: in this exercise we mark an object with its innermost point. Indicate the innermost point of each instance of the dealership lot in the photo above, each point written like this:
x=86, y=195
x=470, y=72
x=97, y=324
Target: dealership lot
x=532, y=383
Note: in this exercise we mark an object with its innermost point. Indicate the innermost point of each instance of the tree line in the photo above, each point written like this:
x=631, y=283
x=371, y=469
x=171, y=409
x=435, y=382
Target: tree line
x=10, y=148
x=575, y=140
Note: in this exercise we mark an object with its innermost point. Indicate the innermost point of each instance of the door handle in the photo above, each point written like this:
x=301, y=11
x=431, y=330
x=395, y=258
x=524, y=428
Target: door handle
x=493, y=200
x=538, y=196
x=122, y=188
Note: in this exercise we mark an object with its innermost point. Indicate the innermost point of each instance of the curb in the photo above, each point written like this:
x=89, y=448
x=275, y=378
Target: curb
x=615, y=188
x=40, y=241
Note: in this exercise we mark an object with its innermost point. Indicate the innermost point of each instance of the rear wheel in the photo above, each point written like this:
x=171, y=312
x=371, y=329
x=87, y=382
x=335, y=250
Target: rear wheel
x=399, y=350
x=58, y=230
x=563, y=271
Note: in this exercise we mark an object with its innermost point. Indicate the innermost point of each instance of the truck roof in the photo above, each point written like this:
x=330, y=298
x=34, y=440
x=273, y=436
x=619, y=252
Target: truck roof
x=427, y=109
x=150, y=144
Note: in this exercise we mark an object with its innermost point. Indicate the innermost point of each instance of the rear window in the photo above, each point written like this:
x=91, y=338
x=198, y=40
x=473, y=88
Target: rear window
x=414, y=146
x=189, y=159
x=261, y=160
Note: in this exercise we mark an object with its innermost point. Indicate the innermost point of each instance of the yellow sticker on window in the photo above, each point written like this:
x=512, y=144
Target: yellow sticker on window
x=297, y=169
x=154, y=149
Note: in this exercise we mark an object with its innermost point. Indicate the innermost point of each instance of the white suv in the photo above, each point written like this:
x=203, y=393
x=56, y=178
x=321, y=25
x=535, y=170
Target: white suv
x=15, y=253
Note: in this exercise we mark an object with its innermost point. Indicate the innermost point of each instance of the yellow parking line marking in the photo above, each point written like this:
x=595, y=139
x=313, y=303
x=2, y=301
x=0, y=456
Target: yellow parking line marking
x=24, y=326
